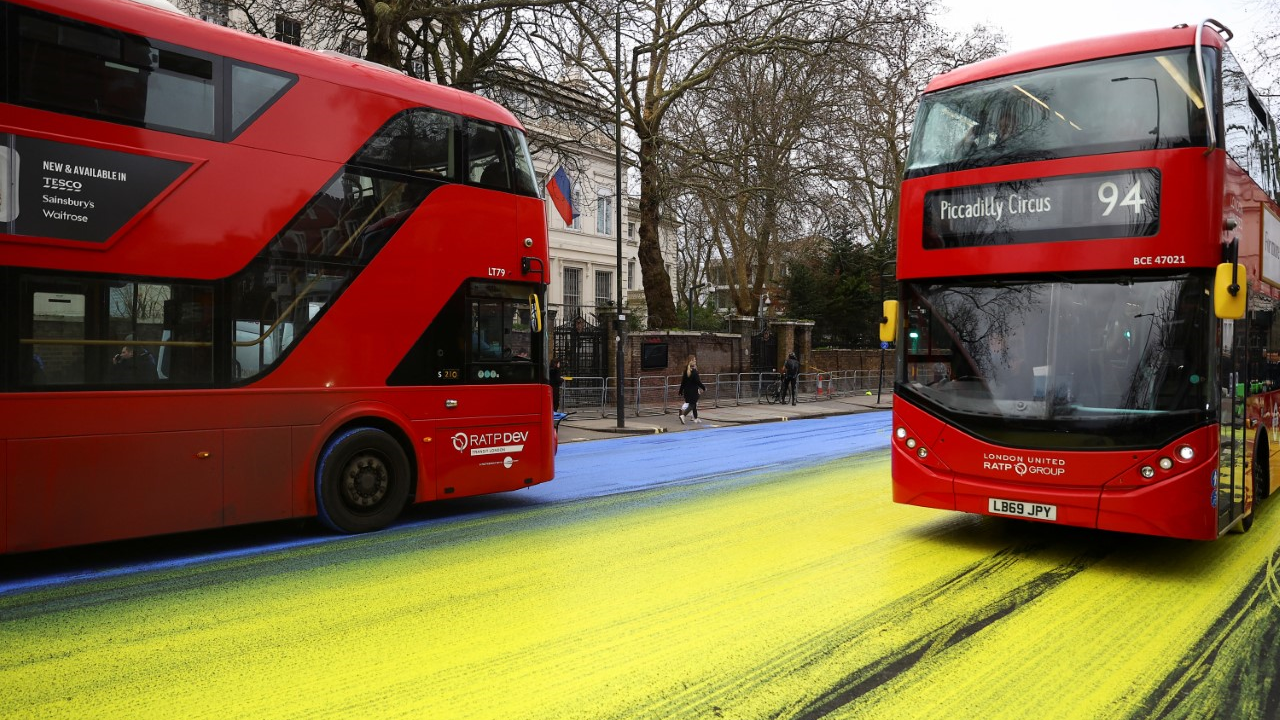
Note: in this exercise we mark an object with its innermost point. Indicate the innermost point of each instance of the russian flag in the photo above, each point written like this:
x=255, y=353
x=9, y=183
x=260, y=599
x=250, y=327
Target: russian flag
x=561, y=193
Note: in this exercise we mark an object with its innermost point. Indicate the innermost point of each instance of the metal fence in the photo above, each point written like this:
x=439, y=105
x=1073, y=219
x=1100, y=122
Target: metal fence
x=656, y=395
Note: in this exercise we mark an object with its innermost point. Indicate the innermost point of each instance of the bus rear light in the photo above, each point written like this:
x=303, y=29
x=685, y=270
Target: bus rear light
x=1147, y=472
x=1185, y=452
x=1166, y=463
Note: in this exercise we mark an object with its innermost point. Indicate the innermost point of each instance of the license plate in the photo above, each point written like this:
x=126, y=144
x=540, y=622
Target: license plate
x=1018, y=508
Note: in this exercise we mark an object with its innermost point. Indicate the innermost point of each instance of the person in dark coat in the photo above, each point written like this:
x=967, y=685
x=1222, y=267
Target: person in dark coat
x=132, y=365
x=557, y=379
x=691, y=388
x=790, y=374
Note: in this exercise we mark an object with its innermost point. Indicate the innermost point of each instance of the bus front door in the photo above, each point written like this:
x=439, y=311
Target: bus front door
x=1230, y=497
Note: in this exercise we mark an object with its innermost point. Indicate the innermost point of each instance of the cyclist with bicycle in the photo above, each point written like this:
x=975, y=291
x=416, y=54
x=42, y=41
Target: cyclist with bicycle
x=790, y=376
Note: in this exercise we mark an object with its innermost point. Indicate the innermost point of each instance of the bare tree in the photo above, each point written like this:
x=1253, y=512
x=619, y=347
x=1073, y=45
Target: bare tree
x=673, y=46
x=456, y=42
x=882, y=91
x=743, y=145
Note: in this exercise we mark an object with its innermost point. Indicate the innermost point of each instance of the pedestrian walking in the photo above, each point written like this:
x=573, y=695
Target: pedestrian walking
x=691, y=388
x=790, y=376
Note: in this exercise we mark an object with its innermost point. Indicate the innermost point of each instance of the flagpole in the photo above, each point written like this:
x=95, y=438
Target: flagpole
x=621, y=334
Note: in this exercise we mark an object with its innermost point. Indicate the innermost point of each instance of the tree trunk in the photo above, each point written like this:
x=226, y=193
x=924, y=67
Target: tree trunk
x=381, y=35
x=653, y=268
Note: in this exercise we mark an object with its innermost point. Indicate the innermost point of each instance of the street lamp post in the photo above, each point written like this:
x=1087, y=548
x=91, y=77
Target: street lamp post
x=621, y=334
x=880, y=376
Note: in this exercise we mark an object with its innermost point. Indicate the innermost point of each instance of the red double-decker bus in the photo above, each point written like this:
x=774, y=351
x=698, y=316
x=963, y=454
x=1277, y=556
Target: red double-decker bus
x=1088, y=264
x=244, y=282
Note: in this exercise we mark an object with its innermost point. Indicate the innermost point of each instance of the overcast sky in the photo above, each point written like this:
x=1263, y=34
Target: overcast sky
x=1029, y=24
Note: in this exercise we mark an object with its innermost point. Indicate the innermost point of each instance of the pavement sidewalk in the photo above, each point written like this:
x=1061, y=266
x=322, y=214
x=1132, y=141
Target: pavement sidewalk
x=578, y=427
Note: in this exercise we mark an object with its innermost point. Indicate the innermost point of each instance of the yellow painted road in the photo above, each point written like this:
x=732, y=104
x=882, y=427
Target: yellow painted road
x=792, y=595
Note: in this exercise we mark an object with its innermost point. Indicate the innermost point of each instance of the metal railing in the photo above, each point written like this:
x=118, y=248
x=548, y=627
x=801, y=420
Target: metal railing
x=656, y=395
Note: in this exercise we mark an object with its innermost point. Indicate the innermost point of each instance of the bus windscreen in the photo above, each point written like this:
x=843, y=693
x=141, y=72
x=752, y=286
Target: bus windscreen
x=1085, y=364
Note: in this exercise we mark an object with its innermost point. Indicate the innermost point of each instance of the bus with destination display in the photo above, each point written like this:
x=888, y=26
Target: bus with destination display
x=245, y=282
x=1088, y=272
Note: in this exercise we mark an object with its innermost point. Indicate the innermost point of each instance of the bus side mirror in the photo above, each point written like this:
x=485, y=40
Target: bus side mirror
x=889, y=322
x=1229, y=291
x=535, y=312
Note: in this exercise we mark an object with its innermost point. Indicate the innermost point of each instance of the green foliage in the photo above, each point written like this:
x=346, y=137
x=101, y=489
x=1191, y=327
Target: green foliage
x=705, y=318
x=838, y=287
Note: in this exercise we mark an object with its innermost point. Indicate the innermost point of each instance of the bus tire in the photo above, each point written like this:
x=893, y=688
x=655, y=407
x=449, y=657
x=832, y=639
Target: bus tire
x=362, y=481
x=1259, y=458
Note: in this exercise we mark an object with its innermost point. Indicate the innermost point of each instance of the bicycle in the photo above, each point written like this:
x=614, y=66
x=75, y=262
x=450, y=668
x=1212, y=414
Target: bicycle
x=773, y=393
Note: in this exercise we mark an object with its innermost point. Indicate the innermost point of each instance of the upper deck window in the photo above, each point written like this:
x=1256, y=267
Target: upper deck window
x=419, y=142
x=1136, y=102
x=110, y=75
x=67, y=66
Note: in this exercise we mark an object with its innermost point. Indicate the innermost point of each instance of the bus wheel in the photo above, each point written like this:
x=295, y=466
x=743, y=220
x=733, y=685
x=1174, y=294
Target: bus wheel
x=362, y=481
x=1257, y=477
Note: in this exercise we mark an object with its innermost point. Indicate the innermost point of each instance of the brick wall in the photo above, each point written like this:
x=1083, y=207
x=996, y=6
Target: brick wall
x=717, y=353
x=833, y=360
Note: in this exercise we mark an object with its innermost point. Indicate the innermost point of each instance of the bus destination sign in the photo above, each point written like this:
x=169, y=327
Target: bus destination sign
x=1035, y=210
x=72, y=192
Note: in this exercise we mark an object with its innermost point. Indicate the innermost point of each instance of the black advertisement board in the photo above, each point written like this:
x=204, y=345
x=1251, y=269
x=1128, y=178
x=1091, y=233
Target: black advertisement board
x=72, y=192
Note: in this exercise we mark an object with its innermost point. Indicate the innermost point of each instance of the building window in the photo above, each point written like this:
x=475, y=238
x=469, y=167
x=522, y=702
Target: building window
x=215, y=11
x=604, y=288
x=572, y=290
x=352, y=47
x=288, y=30
x=631, y=230
x=604, y=215
x=631, y=274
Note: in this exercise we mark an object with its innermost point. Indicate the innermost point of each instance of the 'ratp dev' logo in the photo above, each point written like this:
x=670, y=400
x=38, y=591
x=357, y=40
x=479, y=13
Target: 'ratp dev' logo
x=460, y=441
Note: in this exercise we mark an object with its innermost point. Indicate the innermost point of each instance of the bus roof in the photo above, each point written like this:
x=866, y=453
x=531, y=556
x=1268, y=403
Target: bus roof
x=163, y=24
x=1075, y=51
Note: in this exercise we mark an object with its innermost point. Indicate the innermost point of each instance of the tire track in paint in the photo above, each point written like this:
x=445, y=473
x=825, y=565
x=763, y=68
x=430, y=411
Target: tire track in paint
x=927, y=646
x=1241, y=651
x=967, y=590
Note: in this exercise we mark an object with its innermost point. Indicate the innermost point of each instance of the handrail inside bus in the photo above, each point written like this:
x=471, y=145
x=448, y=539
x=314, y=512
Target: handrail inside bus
x=114, y=343
x=1204, y=87
x=306, y=291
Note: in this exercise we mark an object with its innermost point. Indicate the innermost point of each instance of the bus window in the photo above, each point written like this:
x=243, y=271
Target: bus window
x=486, y=157
x=106, y=74
x=522, y=163
x=91, y=331
x=252, y=91
x=418, y=142
x=1135, y=102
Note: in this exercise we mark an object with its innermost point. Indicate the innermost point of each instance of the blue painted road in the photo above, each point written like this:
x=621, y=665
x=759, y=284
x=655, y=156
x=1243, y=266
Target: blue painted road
x=605, y=467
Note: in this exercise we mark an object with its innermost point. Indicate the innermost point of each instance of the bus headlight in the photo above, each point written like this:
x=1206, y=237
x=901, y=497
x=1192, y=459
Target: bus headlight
x=911, y=442
x=923, y=452
x=1166, y=463
x=1147, y=472
x=1185, y=452
x=901, y=432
